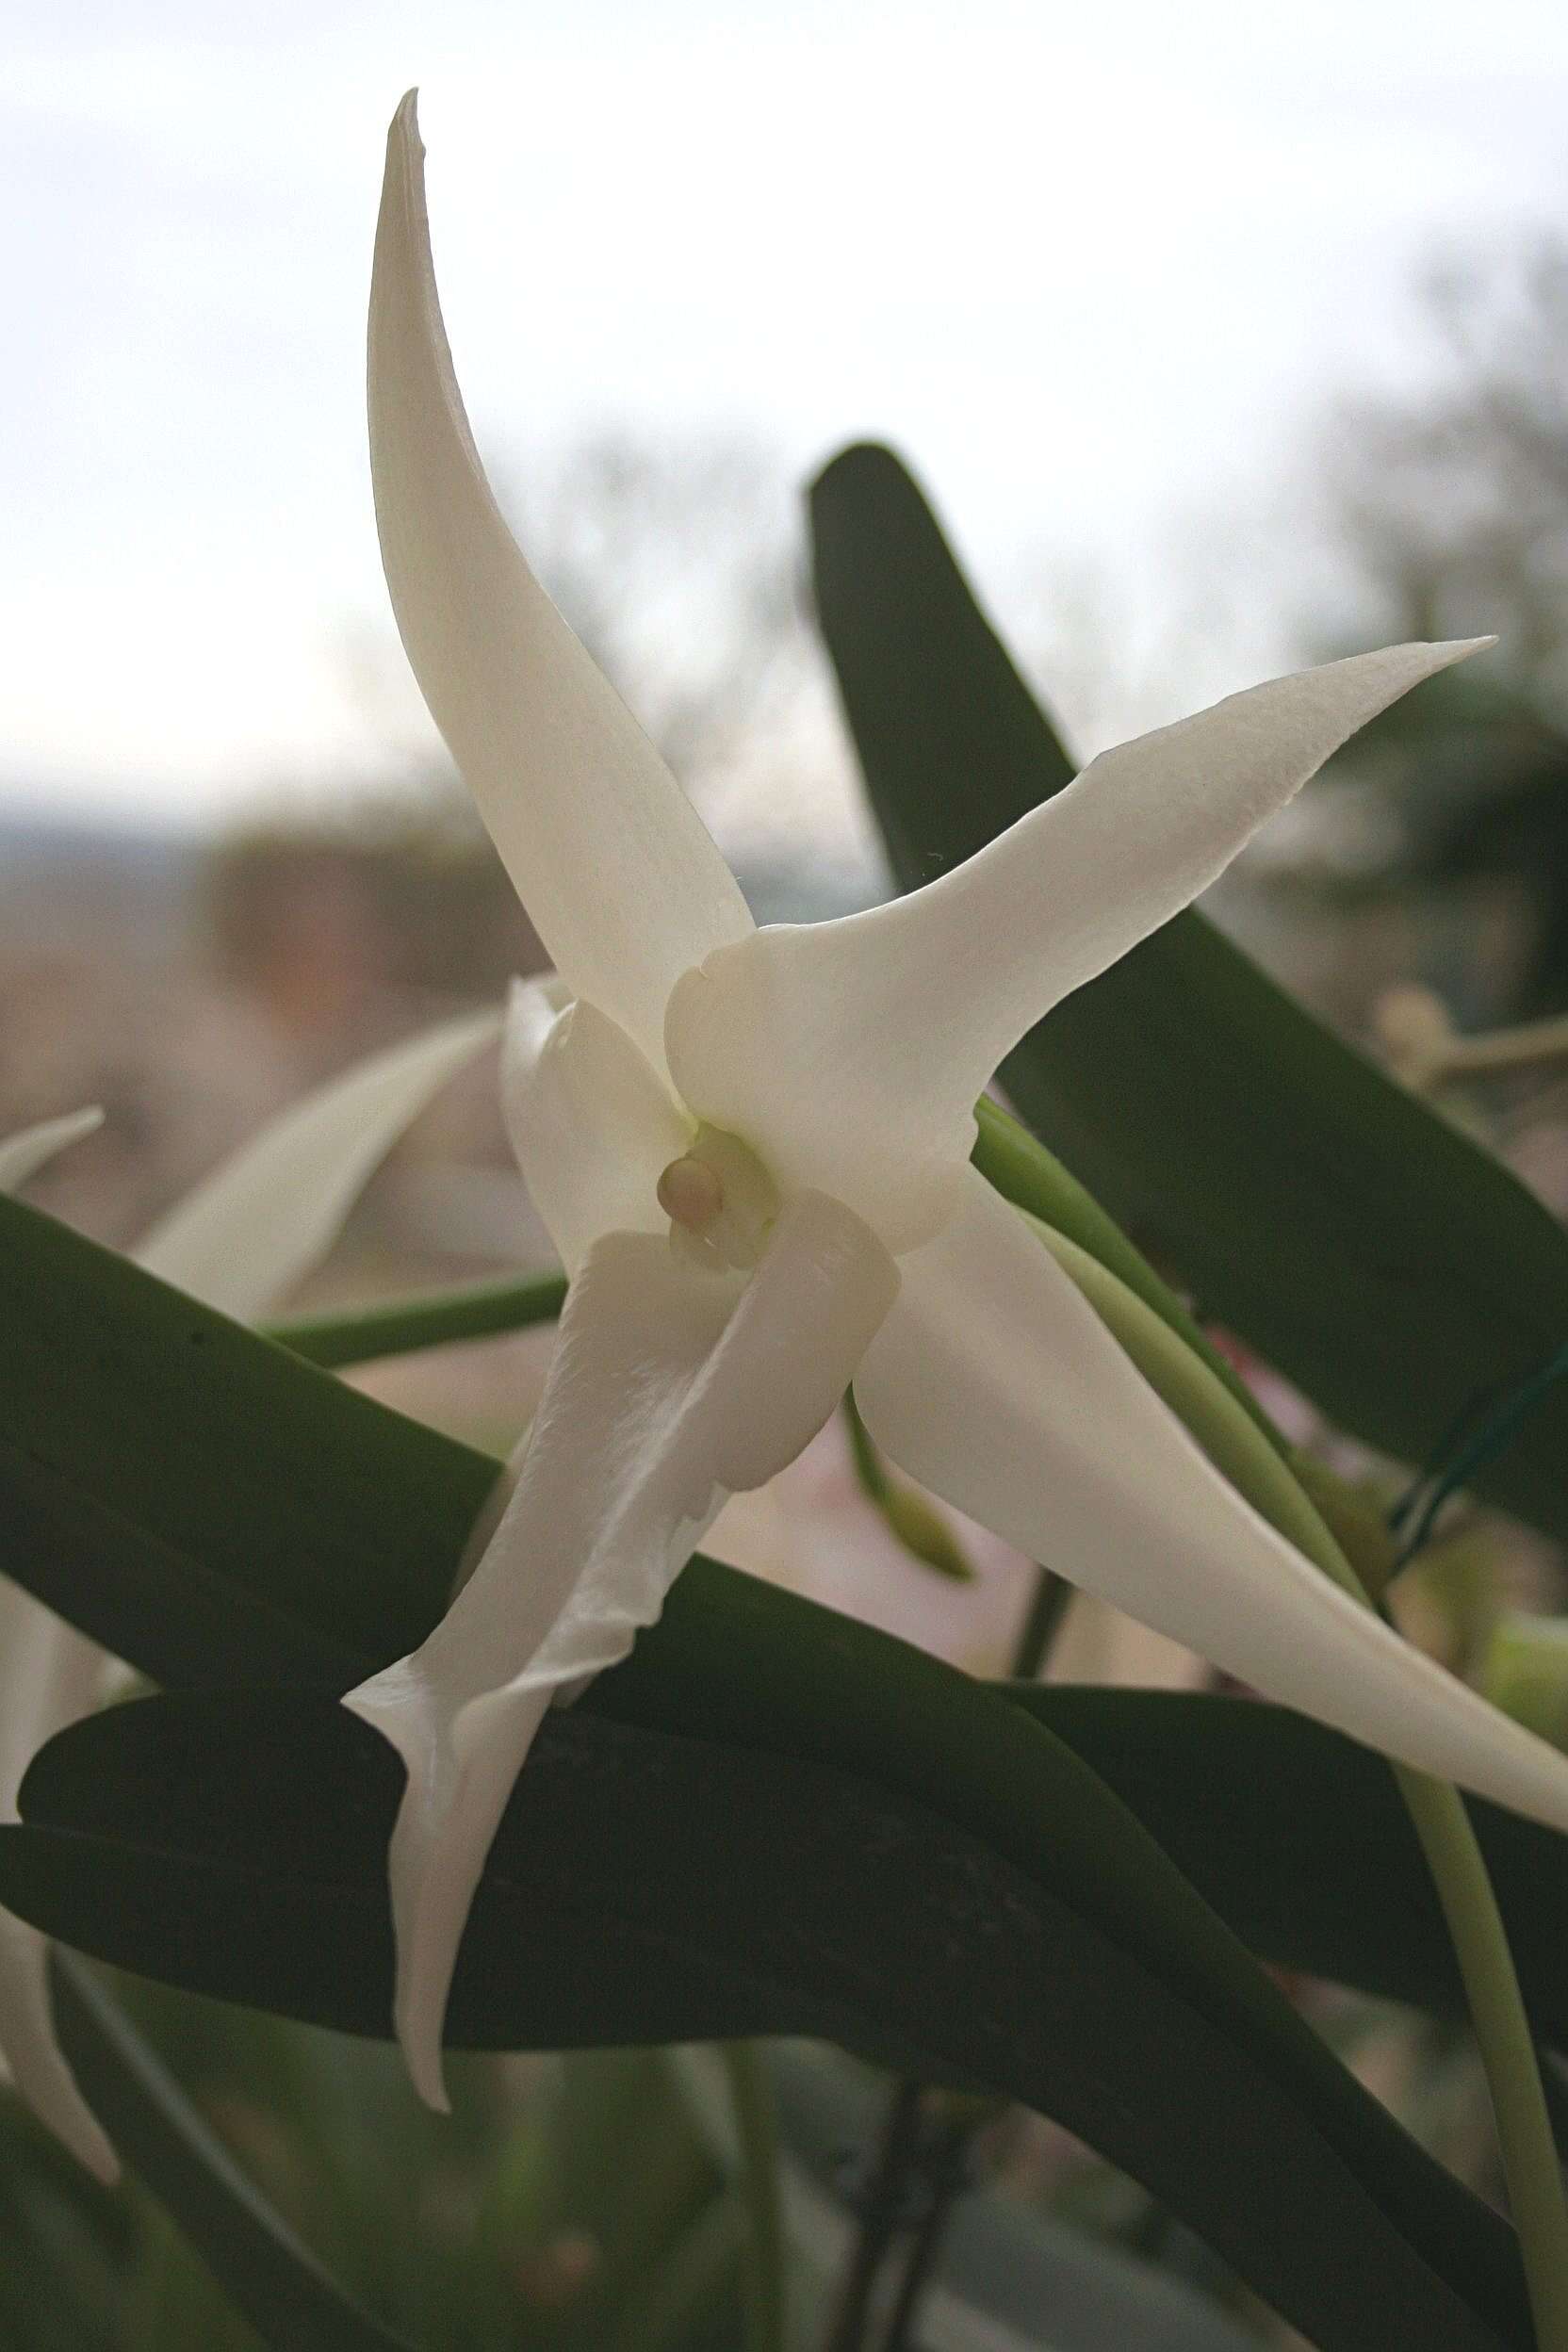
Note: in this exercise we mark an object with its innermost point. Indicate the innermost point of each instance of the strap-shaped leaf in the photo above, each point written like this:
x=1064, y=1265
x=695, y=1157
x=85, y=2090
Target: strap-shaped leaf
x=1384, y=1261
x=261, y=2266
x=183, y=1490
x=649, y=1887
x=1299, y=1840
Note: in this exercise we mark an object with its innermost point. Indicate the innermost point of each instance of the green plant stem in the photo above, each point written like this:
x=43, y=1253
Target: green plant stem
x=1529, y=2157
x=945, y=2168
x=1244, y=1454
x=435, y=1318
x=1042, y=1620
x=881, y=2214
x=762, y=2264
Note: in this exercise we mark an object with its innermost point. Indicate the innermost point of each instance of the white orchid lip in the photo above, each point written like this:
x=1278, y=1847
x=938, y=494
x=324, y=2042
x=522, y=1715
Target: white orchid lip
x=792, y=1109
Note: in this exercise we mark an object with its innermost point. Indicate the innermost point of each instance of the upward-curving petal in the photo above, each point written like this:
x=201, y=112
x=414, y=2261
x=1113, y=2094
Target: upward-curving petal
x=850, y=1053
x=995, y=1382
x=617, y=870
x=261, y=1221
x=670, y=1388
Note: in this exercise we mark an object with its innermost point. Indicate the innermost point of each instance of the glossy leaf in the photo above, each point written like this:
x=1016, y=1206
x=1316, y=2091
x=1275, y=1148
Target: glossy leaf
x=650, y=1888
x=1383, y=1260
x=1299, y=1841
x=220, y=1512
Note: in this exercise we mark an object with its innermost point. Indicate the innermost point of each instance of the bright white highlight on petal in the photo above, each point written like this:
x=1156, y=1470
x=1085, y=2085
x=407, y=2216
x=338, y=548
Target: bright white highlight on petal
x=670, y=1390
x=590, y=1123
x=995, y=1382
x=618, y=876
x=22, y=1154
x=258, y=1225
x=854, y=1050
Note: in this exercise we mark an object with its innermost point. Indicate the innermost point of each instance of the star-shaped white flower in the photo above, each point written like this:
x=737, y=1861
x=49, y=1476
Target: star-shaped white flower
x=752, y=1149
x=238, y=1242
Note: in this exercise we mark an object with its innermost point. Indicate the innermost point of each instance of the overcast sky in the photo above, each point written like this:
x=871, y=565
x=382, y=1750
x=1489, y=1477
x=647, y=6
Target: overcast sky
x=1095, y=268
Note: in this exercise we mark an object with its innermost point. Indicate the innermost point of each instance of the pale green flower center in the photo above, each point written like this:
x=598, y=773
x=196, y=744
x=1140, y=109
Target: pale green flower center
x=721, y=1202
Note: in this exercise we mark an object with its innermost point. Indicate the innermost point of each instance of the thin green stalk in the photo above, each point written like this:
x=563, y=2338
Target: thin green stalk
x=882, y=2205
x=1233, y=1443
x=1042, y=1619
x=913, y=1522
x=434, y=1318
x=1530, y=2166
x=762, y=2264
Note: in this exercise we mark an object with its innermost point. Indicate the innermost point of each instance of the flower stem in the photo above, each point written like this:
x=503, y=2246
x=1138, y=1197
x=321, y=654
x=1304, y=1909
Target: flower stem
x=400, y=1327
x=763, y=2257
x=1244, y=1454
x=883, y=2204
x=1530, y=2164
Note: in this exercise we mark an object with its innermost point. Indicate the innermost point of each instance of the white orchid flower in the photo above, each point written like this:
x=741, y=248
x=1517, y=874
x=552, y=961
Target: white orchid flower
x=238, y=1242
x=752, y=1149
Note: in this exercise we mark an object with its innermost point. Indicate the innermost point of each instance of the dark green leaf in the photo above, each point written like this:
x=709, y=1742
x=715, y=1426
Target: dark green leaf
x=650, y=1888
x=262, y=2267
x=1383, y=1260
x=1299, y=1841
x=219, y=1512
x=435, y=1318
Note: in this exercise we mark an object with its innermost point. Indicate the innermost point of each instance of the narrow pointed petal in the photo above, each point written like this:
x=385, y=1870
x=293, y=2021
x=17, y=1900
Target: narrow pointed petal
x=850, y=1053
x=612, y=864
x=258, y=1225
x=590, y=1123
x=50, y=1674
x=995, y=1383
x=670, y=1388
x=22, y=1154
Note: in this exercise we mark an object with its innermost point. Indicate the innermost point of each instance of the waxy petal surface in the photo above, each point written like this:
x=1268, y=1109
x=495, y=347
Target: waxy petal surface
x=849, y=1054
x=612, y=864
x=670, y=1389
x=995, y=1382
x=590, y=1123
x=264, y=1219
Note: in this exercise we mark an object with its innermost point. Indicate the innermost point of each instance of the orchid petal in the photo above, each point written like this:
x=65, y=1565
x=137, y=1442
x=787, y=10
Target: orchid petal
x=49, y=1675
x=22, y=1154
x=849, y=1054
x=52, y=1676
x=246, y=1235
x=995, y=1382
x=262, y=1220
x=670, y=1388
x=618, y=874
x=591, y=1125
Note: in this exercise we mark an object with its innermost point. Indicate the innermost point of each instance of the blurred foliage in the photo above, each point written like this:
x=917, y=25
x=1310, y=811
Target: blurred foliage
x=1450, y=511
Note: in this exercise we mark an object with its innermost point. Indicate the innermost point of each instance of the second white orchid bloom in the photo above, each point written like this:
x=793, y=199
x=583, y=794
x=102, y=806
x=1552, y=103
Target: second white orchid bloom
x=238, y=1242
x=752, y=1147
